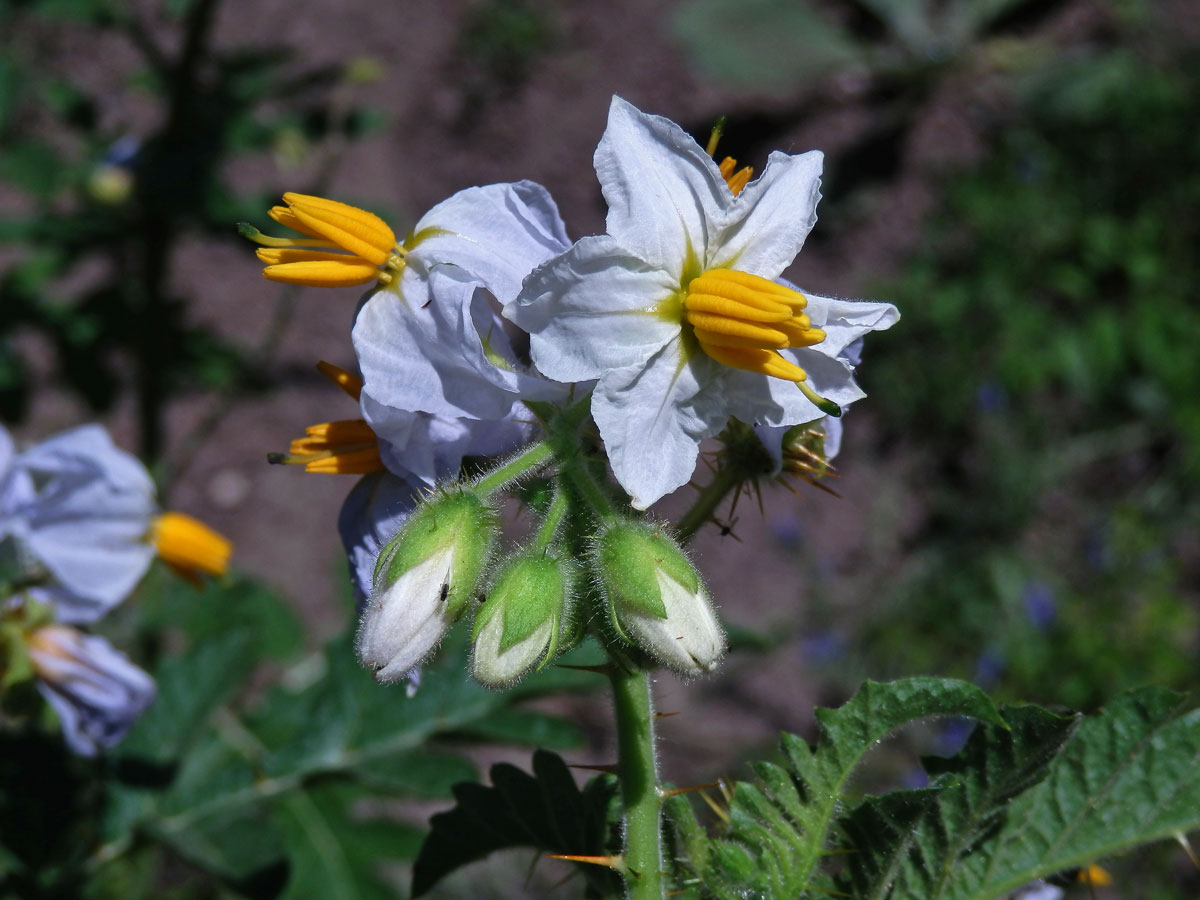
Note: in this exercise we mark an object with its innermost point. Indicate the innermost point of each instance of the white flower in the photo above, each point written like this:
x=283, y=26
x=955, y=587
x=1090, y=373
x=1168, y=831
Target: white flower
x=80, y=510
x=96, y=691
x=80, y=517
x=675, y=310
x=432, y=340
x=423, y=580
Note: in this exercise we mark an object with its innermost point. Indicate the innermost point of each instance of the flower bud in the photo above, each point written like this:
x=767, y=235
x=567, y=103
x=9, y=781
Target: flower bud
x=423, y=580
x=656, y=598
x=517, y=628
x=96, y=691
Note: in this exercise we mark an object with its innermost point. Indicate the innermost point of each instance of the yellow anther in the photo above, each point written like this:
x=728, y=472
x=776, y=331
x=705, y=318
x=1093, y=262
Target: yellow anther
x=741, y=320
x=349, y=227
x=189, y=546
x=331, y=435
x=347, y=381
x=363, y=461
x=762, y=361
x=801, y=334
x=734, y=341
x=288, y=219
x=326, y=273
x=763, y=335
x=344, y=245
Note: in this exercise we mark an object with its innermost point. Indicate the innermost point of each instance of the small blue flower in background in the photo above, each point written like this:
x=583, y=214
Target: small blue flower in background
x=825, y=646
x=989, y=668
x=953, y=736
x=96, y=691
x=991, y=397
x=1039, y=604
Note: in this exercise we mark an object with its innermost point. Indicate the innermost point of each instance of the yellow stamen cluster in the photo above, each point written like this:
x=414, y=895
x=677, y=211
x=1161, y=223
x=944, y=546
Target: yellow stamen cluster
x=734, y=177
x=189, y=546
x=345, y=447
x=344, y=245
x=743, y=320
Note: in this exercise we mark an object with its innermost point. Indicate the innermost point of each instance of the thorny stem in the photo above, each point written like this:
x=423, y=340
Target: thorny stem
x=711, y=495
x=637, y=771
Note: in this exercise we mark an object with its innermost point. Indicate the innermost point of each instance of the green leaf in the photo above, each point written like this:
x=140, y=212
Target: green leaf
x=194, y=789
x=224, y=606
x=913, y=843
x=190, y=687
x=545, y=811
x=335, y=853
x=1129, y=775
x=778, y=827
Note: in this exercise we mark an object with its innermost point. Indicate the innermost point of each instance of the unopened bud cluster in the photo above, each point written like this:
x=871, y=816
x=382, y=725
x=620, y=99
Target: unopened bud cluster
x=626, y=579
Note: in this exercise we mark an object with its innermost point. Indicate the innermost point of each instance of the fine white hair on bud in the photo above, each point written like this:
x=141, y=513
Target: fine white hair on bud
x=404, y=621
x=656, y=598
x=423, y=580
x=689, y=639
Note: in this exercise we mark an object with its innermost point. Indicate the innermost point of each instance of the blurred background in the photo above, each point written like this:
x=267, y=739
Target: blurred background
x=1020, y=492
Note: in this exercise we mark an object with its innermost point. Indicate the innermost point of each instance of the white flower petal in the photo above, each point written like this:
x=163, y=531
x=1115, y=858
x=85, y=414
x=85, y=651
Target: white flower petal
x=844, y=321
x=664, y=193
x=652, y=419
x=430, y=356
x=689, y=640
x=403, y=621
x=496, y=233
x=769, y=220
x=87, y=520
x=593, y=309
x=96, y=691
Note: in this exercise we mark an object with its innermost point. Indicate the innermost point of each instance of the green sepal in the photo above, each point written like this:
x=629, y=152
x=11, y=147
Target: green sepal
x=15, y=663
x=527, y=591
x=628, y=557
x=454, y=516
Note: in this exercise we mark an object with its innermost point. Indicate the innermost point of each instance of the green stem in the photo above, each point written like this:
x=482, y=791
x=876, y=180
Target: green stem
x=554, y=516
x=711, y=495
x=642, y=853
x=528, y=459
x=575, y=470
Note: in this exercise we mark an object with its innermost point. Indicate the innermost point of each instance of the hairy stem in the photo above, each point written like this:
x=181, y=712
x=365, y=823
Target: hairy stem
x=526, y=461
x=642, y=853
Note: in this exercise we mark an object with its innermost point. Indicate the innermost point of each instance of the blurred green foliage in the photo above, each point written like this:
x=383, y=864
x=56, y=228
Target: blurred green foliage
x=225, y=788
x=1044, y=377
x=101, y=205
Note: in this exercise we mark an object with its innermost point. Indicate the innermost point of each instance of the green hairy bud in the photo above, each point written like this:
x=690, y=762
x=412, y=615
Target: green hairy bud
x=656, y=598
x=423, y=580
x=517, y=628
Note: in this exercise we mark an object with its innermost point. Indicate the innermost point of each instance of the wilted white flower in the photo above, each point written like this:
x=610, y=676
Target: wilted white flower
x=96, y=691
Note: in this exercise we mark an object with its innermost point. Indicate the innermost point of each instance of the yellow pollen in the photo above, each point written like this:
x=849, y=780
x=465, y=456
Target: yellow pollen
x=743, y=320
x=343, y=245
x=189, y=546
